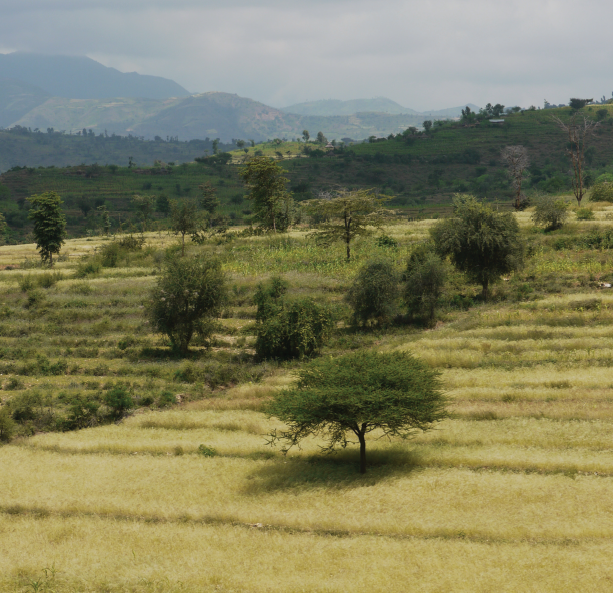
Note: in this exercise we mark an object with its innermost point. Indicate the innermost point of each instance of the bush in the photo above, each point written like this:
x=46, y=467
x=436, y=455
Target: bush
x=602, y=191
x=386, y=241
x=188, y=297
x=585, y=214
x=166, y=399
x=49, y=279
x=289, y=330
x=373, y=293
x=424, y=280
x=82, y=413
x=88, y=268
x=207, y=451
x=119, y=402
x=7, y=426
x=26, y=283
x=550, y=212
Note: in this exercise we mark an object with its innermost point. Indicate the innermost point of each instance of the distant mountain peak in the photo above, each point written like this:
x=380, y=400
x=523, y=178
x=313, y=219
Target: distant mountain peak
x=80, y=77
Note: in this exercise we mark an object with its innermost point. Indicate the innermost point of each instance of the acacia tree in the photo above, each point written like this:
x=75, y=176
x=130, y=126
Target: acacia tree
x=186, y=300
x=359, y=393
x=272, y=203
x=49, y=224
x=517, y=161
x=578, y=130
x=480, y=242
x=347, y=215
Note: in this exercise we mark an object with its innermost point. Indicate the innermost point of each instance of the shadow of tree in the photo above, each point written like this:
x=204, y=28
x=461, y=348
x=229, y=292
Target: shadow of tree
x=337, y=471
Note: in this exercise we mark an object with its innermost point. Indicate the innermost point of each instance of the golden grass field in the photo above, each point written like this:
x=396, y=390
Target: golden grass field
x=513, y=493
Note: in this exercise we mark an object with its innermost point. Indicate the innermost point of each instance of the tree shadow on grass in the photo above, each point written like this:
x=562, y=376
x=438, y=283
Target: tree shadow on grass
x=337, y=471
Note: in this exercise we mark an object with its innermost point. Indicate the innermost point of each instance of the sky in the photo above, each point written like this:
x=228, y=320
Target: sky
x=424, y=55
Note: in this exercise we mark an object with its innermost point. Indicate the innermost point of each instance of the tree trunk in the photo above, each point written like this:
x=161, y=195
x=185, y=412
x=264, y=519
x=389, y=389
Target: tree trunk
x=182, y=244
x=484, y=290
x=50, y=259
x=348, y=252
x=362, y=451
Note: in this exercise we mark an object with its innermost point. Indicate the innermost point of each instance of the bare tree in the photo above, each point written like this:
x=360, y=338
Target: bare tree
x=579, y=131
x=518, y=161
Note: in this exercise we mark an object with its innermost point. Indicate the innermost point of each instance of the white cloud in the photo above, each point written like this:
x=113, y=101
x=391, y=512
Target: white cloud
x=425, y=55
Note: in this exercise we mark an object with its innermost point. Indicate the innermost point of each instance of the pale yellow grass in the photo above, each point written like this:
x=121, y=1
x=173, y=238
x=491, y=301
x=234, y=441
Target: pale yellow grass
x=560, y=409
x=296, y=494
x=168, y=558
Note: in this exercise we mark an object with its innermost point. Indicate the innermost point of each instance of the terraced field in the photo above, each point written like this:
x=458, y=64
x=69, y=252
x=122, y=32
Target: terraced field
x=513, y=493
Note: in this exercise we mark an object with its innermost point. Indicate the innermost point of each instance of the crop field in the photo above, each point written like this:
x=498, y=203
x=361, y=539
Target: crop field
x=514, y=492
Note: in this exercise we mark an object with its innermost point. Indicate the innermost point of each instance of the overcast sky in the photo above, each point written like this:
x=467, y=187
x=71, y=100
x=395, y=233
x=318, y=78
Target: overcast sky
x=424, y=55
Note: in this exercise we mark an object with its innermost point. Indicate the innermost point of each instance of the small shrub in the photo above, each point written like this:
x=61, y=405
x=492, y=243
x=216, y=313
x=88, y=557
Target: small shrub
x=26, y=283
x=13, y=383
x=35, y=299
x=585, y=214
x=374, y=293
x=82, y=288
x=49, y=279
x=127, y=342
x=288, y=330
x=7, y=425
x=602, y=191
x=119, y=402
x=82, y=413
x=88, y=268
x=166, y=399
x=386, y=241
x=131, y=243
x=550, y=212
x=206, y=451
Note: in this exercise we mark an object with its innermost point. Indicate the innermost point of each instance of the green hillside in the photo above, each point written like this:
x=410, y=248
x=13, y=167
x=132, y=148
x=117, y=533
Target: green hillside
x=419, y=172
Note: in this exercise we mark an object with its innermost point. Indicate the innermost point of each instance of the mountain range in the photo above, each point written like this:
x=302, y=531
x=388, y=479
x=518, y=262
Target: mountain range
x=73, y=93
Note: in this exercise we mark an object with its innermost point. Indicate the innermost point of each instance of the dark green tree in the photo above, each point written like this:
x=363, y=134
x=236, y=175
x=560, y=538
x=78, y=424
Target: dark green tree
x=321, y=139
x=85, y=205
x=427, y=126
x=305, y=135
x=424, y=280
x=356, y=394
x=145, y=204
x=49, y=224
x=208, y=199
x=186, y=300
x=577, y=104
x=162, y=204
x=480, y=242
x=374, y=292
x=272, y=203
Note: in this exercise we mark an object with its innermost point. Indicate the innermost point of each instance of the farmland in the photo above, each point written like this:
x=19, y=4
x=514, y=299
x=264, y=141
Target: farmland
x=512, y=493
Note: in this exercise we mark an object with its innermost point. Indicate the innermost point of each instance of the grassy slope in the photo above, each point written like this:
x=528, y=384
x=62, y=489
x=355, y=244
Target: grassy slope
x=518, y=483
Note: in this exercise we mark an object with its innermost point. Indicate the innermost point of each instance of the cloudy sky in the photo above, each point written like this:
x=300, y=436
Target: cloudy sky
x=425, y=55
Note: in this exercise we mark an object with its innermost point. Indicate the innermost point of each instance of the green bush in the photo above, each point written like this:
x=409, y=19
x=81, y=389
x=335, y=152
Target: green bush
x=602, y=191
x=585, y=214
x=119, y=401
x=424, y=279
x=386, y=241
x=550, y=212
x=166, y=399
x=206, y=451
x=26, y=283
x=82, y=413
x=7, y=426
x=49, y=279
x=374, y=293
x=92, y=267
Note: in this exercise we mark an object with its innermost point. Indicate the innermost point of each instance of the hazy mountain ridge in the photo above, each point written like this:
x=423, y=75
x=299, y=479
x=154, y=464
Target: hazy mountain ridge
x=336, y=107
x=83, y=78
x=17, y=98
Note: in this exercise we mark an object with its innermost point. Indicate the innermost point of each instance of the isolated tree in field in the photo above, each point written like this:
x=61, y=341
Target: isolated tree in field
x=424, y=278
x=272, y=203
x=579, y=130
x=186, y=300
x=348, y=214
x=321, y=139
x=550, y=212
x=240, y=143
x=577, y=104
x=480, y=242
x=216, y=146
x=357, y=394
x=184, y=217
x=374, y=292
x=85, y=205
x=145, y=206
x=306, y=135
x=427, y=126
x=49, y=224
x=517, y=161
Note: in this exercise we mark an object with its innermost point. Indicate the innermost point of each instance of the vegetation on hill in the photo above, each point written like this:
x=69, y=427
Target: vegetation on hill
x=188, y=482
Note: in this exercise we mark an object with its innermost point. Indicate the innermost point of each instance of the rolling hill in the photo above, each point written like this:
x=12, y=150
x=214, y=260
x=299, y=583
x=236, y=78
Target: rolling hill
x=336, y=107
x=17, y=98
